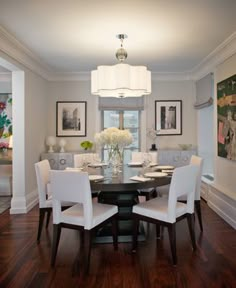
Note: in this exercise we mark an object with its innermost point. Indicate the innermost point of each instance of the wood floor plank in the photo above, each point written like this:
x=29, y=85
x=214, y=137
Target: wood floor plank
x=23, y=263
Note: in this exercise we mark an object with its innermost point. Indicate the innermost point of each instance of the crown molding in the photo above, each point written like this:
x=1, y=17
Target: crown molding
x=225, y=50
x=17, y=51
x=73, y=76
x=170, y=76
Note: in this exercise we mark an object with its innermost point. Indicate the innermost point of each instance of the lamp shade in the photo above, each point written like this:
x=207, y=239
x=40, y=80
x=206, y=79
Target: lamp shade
x=121, y=80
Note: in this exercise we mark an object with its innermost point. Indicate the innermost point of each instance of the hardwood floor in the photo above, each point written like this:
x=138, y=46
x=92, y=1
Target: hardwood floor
x=23, y=263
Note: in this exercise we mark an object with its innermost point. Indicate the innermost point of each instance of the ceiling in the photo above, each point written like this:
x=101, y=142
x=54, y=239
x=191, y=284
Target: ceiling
x=76, y=35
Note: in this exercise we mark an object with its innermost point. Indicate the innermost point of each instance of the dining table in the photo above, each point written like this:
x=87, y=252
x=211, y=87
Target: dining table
x=124, y=192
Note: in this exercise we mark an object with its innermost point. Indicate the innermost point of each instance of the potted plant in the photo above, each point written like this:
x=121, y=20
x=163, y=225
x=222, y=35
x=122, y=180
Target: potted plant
x=86, y=145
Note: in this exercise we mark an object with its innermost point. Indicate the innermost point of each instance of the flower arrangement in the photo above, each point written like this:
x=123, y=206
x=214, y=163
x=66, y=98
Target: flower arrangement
x=4, y=145
x=114, y=140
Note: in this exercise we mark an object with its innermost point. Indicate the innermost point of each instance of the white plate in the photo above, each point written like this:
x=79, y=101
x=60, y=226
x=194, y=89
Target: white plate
x=155, y=174
x=95, y=177
x=152, y=164
x=135, y=164
x=167, y=171
x=97, y=164
x=167, y=167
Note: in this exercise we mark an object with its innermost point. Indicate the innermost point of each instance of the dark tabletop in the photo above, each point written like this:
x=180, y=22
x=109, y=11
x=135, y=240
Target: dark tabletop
x=122, y=181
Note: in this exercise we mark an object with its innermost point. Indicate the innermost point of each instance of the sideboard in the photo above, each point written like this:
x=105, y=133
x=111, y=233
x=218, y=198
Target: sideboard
x=59, y=161
x=174, y=157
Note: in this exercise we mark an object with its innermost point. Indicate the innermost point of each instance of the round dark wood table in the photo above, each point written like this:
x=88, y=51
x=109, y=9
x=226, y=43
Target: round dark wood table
x=120, y=190
x=122, y=183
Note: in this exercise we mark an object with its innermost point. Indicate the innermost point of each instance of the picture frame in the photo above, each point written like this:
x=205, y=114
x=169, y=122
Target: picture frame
x=168, y=117
x=71, y=118
x=226, y=118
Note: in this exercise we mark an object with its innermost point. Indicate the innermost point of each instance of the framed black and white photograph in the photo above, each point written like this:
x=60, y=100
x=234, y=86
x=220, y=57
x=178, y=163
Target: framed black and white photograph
x=168, y=117
x=71, y=118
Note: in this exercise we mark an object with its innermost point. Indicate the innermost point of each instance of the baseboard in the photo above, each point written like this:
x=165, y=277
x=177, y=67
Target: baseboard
x=223, y=205
x=23, y=204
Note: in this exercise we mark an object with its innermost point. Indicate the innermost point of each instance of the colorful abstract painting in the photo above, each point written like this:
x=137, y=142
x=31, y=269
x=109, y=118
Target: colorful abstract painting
x=226, y=113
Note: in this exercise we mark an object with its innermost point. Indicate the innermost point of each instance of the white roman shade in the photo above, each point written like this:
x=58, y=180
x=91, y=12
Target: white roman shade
x=204, y=92
x=129, y=103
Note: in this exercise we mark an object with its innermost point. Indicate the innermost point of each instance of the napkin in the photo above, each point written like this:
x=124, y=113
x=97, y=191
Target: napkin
x=139, y=178
x=73, y=169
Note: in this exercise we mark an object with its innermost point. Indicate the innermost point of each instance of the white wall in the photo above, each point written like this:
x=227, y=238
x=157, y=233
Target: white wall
x=174, y=90
x=29, y=93
x=5, y=86
x=205, y=121
x=36, y=109
x=80, y=91
x=73, y=91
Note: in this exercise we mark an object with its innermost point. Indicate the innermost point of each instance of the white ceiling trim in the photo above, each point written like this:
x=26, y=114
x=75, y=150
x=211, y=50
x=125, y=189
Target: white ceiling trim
x=225, y=50
x=16, y=50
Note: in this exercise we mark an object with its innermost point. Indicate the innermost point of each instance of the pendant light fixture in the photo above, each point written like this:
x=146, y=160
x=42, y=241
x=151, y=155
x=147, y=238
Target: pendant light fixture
x=121, y=80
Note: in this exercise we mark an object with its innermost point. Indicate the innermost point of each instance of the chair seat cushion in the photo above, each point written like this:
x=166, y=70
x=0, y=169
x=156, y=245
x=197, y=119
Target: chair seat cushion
x=75, y=214
x=157, y=208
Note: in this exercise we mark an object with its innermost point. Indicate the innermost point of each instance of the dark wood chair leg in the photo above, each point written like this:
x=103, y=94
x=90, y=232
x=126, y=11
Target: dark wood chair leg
x=158, y=231
x=82, y=237
x=56, y=239
x=199, y=213
x=87, y=248
x=115, y=232
x=190, y=218
x=135, y=233
x=48, y=218
x=41, y=219
x=172, y=237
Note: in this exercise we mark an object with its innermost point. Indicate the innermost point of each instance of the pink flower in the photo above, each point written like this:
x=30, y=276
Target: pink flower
x=4, y=145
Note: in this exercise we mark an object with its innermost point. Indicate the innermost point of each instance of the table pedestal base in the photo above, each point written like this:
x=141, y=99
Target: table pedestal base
x=125, y=202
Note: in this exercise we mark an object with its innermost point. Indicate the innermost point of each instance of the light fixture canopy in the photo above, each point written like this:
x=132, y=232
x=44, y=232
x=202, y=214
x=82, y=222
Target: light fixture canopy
x=121, y=80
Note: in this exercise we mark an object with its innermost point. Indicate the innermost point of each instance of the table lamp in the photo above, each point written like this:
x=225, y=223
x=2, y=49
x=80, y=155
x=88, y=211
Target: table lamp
x=50, y=141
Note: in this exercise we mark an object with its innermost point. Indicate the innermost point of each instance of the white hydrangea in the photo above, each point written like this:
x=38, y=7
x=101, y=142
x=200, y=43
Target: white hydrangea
x=113, y=137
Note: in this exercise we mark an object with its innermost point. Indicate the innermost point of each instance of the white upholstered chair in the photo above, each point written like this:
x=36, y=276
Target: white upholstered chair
x=139, y=157
x=197, y=161
x=80, y=159
x=85, y=215
x=89, y=158
x=168, y=211
x=42, y=170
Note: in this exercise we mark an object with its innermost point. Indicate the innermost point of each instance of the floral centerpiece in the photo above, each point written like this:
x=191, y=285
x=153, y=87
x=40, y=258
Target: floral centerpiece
x=114, y=140
x=4, y=146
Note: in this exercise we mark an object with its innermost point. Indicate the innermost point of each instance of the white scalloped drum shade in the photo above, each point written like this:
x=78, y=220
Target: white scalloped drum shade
x=121, y=80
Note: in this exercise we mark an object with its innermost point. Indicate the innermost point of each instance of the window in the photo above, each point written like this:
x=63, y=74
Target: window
x=124, y=120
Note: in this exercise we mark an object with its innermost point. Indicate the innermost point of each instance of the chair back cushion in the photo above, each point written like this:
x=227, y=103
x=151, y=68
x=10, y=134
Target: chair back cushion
x=71, y=186
x=183, y=182
x=42, y=170
x=139, y=156
x=198, y=161
x=80, y=159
